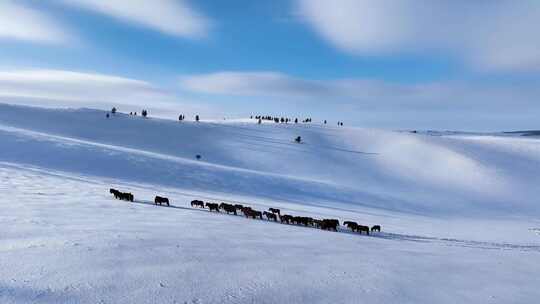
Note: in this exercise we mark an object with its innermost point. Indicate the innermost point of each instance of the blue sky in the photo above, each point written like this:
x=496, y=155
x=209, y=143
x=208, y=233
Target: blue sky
x=389, y=64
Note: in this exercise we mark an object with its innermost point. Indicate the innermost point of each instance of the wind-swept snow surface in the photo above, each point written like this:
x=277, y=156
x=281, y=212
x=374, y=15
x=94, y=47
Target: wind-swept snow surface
x=459, y=212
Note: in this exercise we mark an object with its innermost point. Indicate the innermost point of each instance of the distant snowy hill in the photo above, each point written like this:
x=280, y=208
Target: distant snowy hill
x=452, y=206
x=334, y=165
x=526, y=133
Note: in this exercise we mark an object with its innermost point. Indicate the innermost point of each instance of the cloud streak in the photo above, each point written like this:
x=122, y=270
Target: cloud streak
x=175, y=18
x=495, y=35
x=253, y=84
x=449, y=105
x=365, y=93
x=275, y=84
x=62, y=88
x=76, y=89
x=25, y=24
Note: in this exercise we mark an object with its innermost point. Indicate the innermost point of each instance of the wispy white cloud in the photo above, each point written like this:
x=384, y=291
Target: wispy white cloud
x=275, y=84
x=62, y=88
x=493, y=35
x=254, y=83
x=24, y=23
x=168, y=16
x=449, y=105
x=361, y=92
x=76, y=89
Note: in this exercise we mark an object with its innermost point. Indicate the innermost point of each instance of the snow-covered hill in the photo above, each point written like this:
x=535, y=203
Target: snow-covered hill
x=460, y=207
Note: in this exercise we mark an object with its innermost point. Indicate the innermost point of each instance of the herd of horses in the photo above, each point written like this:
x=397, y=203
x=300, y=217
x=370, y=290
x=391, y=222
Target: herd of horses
x=273, y=214
x=124, y=196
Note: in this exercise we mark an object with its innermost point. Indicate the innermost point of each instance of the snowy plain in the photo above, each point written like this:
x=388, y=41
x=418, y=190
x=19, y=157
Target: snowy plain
x=459, y=212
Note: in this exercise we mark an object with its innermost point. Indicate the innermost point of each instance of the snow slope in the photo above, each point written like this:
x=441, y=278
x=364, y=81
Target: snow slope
x=461, y=206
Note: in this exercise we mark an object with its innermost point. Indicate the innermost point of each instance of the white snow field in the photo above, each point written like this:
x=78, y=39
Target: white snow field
x=460, y=213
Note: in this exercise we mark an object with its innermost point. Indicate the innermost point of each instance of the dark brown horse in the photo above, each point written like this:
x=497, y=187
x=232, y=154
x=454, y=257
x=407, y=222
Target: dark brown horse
x=253, y=213
x=246, y=209
x=376, y=228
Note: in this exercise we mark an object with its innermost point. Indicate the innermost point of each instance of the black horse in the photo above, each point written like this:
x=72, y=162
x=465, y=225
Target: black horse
x=126, y=196
x=197, y=203
x=212, y=206
x=286, y=218
x=352, y=225
x=274, y=210
x=161, y=200
x=253, y=213
x=376, y=228
x=329, y=224
x=270, y=216
x=362, y=228
x=115, y=192
x=302, y=220
x=228, y=208
x=317, y=223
